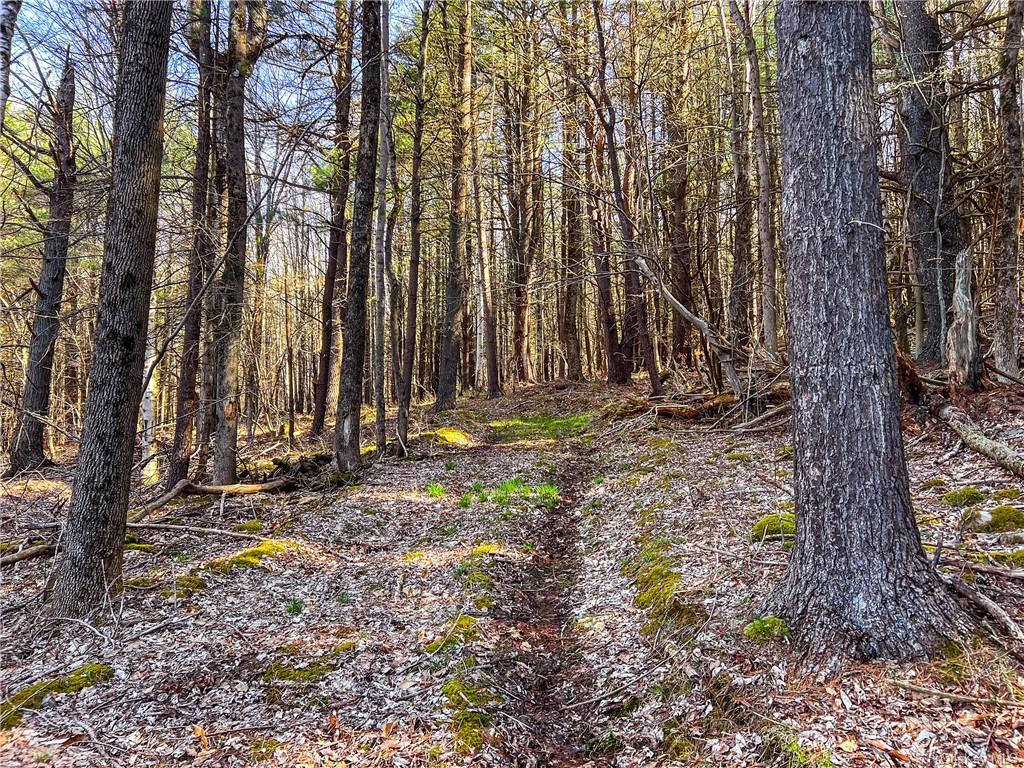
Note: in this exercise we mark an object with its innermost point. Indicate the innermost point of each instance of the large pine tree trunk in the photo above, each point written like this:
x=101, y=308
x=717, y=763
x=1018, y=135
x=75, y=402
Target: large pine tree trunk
x=932, y=218
x=93, y=538
x=346, y=428
x=858, y=584
x=199, y=256
x=462, y=84
x=380, y=303
x=337, y=242
x=1006, y=332
x=27, y=450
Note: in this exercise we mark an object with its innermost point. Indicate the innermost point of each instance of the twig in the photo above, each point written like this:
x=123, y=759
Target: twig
x=955, y=696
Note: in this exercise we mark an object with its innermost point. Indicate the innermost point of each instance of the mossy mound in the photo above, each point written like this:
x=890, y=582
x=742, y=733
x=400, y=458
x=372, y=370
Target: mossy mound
x=935, y=482
x=741, y=456
x=766, y=628
x=1005, y=517
x=964, y=497
x=453, y=436
x=776, y=526
x=471, y=716
x=280, y=671
x=248, y=526
x=1007, y=494
x=11, y=711
x=184, y=587
x=252, y=557
x=541, y=427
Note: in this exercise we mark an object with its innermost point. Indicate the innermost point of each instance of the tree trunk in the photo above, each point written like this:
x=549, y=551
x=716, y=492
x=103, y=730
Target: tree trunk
x=1006, y=331
x=27, y=450
x=337, y=244
x=93, y=537
x=8, y=20
x=199, y=256
x=765, y=221
x=246, y=35
x=462, y=85
x=415, y=234
x=933, y=222
x=572, y=231
x=380, y=303
x=488, y=319
x=858, y=583
x=346, y=428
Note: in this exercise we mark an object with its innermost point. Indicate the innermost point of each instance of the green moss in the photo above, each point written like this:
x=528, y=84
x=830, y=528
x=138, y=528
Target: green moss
x=184, y=587
x=963, y=497
x=141, y=582
x=543, y=427
x=345, y=647
x=953, y=668
x=462, y=630
x=32, y=697
x=453, y=436
x=263, y=749
x=435, y=490
x=1007, y=494
x=781, y=525
x=739, y=456
x=658, y=588
x=280, y=671
x=766, y=628
x=784, y=452
x=1014, y=558
x=1005, y=517
x=675, y=744
x=486, y=548
x=781, y=747
x=470, y=705
x=248, y=526
x=934, y=482
x=141, y=547
x=415, y=556
x=252, y=557
x=466, y=501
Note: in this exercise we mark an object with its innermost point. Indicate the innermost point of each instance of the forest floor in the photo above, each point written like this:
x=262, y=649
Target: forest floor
x=550, y=580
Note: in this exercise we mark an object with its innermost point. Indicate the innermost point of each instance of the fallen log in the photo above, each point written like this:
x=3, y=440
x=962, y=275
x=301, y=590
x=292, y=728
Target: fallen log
x=976, y=440
x=188, y=488
x=40, y=550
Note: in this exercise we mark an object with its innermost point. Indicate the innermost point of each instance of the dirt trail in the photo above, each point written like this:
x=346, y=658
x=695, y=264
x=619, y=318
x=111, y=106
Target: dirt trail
x=536, y=729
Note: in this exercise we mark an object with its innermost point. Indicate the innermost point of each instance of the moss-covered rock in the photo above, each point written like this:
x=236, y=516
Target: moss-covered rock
x=766, y=628
x=12, y=711
x=776, y=526
x=253, y=557
x=964, y=497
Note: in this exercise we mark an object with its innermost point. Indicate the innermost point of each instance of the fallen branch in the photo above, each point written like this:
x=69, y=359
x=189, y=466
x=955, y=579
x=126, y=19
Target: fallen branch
x=187, y=488
x=40, y=550
x=976, y=440
x=958, y=697
x=987, y=605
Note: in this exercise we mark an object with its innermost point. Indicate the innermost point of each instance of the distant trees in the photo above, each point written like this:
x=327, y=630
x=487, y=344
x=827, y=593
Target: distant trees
x=8, y=20
x=89, y=562
x=858, y=583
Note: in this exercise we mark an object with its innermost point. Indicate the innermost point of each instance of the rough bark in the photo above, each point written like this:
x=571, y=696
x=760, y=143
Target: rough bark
x=963, y=353
x=247, y=30
x=858, y=583
x=93, y=537
x=8, y=20
x=27, y=448
x=346, y=428
x=572, y=233
x=462, y=85
x=337, y=242
x=199, y=255
x=1006, y=331
x=380, y=303
x=932, y=220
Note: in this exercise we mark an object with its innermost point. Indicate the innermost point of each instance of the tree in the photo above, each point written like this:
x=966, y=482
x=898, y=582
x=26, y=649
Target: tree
x=1006, y=332
x=933, y=220
x=337, y=244
x=93, y=539
x=201, y=250
x=858, y=583
x=415, y=230
x=247, y=34
x=346, y=428
x=27, y=450
x=462, y=86
x=8, y=20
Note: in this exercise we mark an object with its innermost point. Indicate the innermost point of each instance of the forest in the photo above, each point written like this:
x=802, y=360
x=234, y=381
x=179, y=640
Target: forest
x=541, y=383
